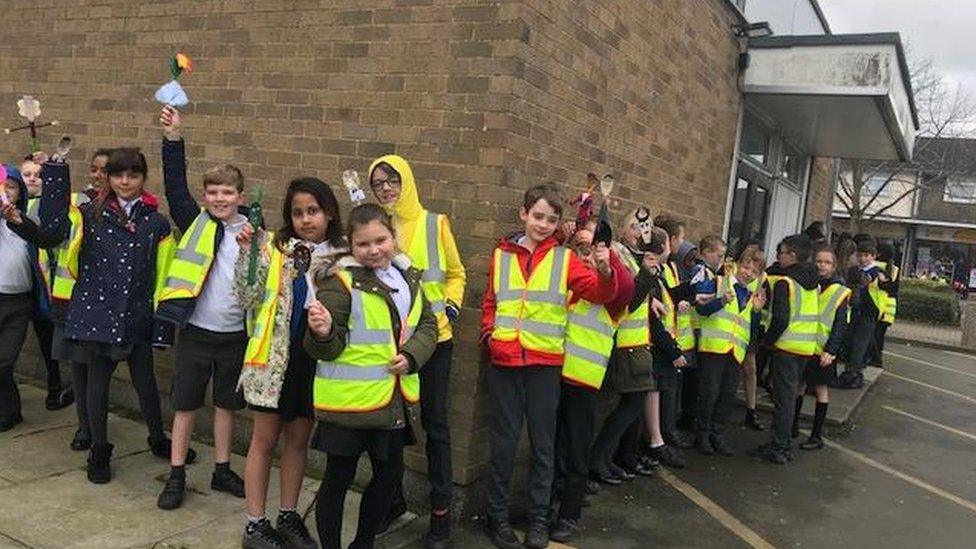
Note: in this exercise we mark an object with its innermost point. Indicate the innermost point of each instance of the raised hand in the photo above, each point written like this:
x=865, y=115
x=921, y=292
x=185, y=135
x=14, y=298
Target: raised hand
x=319, y=319
x=245, y=236
x=11, y=214
x=170, y=120
x=601, y=255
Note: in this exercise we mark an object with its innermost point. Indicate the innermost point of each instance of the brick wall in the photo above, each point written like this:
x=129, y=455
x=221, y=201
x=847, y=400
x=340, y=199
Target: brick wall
x=485, y=99
x=932, y=205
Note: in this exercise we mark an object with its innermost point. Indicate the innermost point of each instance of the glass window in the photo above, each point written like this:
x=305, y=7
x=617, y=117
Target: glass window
x=750, y=208
x=873, y=186
x=959, y=191
x=755, y=140
x=791, y=165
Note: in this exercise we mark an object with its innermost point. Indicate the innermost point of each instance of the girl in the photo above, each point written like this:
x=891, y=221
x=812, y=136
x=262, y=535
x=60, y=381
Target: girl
x=834, y=298
x=277, y=375
x=370, y=332
x=123, y=240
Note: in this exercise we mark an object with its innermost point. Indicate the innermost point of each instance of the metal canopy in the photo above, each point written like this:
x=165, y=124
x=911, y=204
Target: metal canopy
x=837, y=95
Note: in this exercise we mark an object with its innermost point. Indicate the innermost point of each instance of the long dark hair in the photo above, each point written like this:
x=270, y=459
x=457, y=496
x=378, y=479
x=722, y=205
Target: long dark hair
x=326, y=200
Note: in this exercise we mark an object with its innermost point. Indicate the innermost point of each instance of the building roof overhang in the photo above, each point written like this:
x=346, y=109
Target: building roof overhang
x=840, y=95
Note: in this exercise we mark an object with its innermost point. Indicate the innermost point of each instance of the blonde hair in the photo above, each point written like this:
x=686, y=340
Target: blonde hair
x=753, y=255
x=224, y=174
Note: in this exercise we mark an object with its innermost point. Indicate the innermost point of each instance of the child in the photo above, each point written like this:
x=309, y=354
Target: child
x=751, y=252
x=889, y=300
x=96, y=172
x=199, y=298
x=58, y=396
x=790, y=336
x=371, y=331
x=22, y=287
x=589, y=341
x=278, y=374
x=121, y=247
x=834, y=314
x=728, y=313
x=426, y=238
x=683, y=262
x=529, y=280
x=865, y=316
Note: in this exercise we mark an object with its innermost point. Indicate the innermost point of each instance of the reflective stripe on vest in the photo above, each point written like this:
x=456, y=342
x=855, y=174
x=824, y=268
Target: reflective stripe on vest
x=728, y=329
x=635, y=328
x=531, y=312
x=260, y=323
x=800, y=336
x=589, y=342
x=192, y=261
x=829, y=300
x=358, y=380
x=427, y=254
x=68, y=253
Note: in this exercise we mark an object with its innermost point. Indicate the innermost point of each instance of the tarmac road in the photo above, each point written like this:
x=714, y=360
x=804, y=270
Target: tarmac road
x=902, y=473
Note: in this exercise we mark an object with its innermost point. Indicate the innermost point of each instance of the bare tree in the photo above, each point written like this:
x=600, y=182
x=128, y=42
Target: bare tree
x=943, y=112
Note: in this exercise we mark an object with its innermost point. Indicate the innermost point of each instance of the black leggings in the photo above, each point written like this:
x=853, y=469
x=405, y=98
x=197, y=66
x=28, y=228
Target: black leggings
x=91, y=385
x=44, y=330
x=339, y=474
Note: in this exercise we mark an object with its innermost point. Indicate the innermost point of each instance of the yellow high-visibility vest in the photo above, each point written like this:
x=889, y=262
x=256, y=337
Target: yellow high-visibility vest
x=260, y=323
x=800, y=336
x=358, y=380
x=634, y=329
x=427, y=253
x=192, y=260
x=728, y=329
x=886, y=303
x=533, y=312
x=829, y=300
x=684, y=334
x=589, y=342
x=67, y=254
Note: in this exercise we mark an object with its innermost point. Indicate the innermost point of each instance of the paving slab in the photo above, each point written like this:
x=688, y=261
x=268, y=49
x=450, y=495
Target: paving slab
x=843, y=402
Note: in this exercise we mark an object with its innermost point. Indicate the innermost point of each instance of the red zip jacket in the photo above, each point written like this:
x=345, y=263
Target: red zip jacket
x=582, y=281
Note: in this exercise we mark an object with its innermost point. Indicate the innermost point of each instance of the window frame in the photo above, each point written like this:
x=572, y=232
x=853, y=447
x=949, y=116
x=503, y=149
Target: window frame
x=950, y=198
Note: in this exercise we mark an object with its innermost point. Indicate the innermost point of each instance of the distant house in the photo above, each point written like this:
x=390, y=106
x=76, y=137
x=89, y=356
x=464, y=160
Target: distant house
x=933, y=229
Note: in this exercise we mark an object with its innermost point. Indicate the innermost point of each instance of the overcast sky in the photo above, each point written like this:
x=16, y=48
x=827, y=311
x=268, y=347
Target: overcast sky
x=944, y=30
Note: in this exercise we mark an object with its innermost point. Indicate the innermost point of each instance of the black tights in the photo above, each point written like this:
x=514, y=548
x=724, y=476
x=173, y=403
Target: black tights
x=339, y=474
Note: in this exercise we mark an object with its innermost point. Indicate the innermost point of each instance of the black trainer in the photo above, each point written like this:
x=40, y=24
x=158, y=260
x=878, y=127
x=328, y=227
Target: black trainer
x=721, y=446
x=564, y=530
x=163, y=448
x=620, y=472
x=261, y=535
x=292, y=529
x=501, y=535
x=439, y=535
x=537, y=536
x=172, y=495
x=227, y=481
x=668, y=457
x=812, y=443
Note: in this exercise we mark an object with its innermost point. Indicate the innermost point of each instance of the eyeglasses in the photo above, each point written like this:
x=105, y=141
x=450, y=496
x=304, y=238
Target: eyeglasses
x=378, y=184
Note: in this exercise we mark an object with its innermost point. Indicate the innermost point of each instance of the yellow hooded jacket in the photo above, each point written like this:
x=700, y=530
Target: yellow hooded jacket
x=410, y=219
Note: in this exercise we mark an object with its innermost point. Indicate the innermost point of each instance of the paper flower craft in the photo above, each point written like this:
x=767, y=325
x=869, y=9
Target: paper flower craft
x=171, y=93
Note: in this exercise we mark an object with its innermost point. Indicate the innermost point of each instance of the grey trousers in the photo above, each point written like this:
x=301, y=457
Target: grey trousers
x=785, y=370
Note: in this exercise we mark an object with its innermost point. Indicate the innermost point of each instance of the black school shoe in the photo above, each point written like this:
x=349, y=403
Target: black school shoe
x=668, y=457
x=227, y=481
x=81, y=440
x=292, y=529
x=172, y=495
x=9, y=422
x=261, y=535
x=606, y=477
x=59, y=397
x=752, y=421
x=163, y=448
x=620, y=472
x=501, y=535
x=721, y=445
x=537, y=536
x=812, y=443
x=677, y=440
x=99, y=463
x=564, y=530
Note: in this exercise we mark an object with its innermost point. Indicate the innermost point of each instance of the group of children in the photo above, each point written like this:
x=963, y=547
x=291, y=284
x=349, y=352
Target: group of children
x=351, y=325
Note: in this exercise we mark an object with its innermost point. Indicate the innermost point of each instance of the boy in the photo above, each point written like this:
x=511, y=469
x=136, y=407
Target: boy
x=790, y=336
x=590, y=333
x=675, y=230
x=866, y=315
x=429, y=243
x=524, y=316
x=888, y=305
x=727, y=313
x=58, y=396
x=199, y=297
